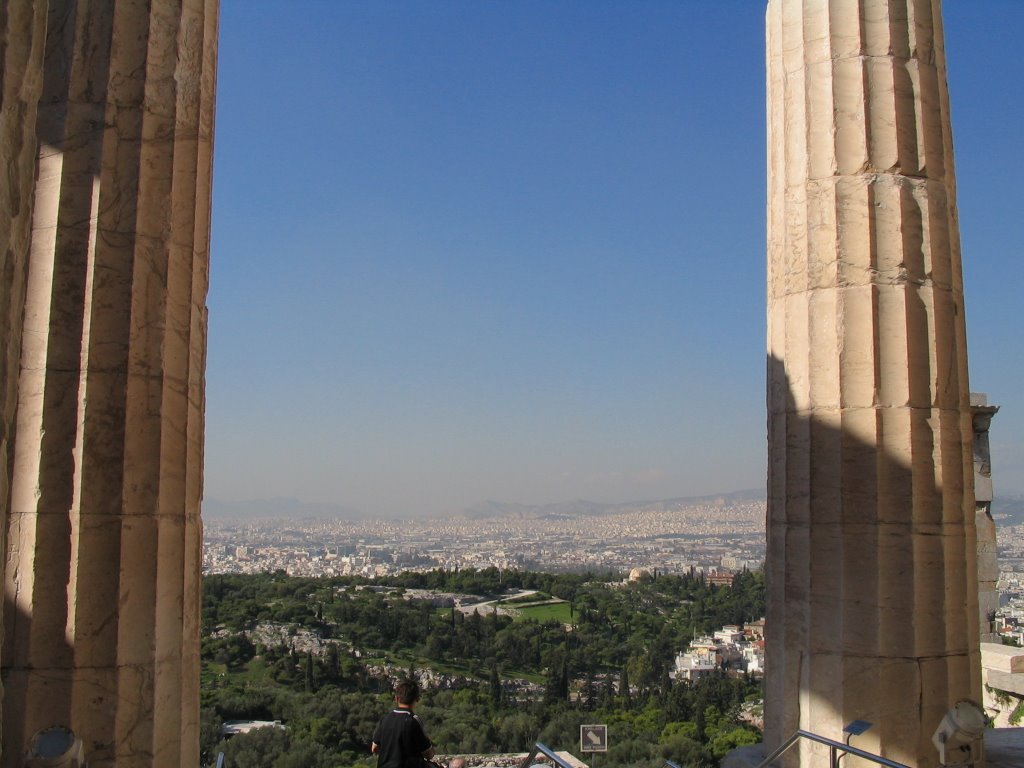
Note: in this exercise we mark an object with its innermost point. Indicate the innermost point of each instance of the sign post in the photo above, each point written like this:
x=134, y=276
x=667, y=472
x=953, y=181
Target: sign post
x=593, y=739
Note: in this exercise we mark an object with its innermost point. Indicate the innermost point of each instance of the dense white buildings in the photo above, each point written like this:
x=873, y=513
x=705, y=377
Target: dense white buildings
x=732, y=649
x=704, y=536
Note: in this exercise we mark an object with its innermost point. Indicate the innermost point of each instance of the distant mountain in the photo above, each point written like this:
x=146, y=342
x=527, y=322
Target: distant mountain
x=1008, y=509
x=277, y=508
x=583, y=508
x=563, y=509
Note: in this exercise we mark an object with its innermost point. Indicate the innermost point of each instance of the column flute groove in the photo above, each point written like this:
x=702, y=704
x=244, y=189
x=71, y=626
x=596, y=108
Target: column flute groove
x=872, y=595
x=103, y=549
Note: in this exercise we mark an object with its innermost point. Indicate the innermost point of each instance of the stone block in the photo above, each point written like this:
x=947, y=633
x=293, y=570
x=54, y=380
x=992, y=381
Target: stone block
x=1002, y=658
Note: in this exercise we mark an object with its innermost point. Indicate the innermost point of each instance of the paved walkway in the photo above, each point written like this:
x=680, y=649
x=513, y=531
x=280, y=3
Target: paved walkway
x=1004, y=748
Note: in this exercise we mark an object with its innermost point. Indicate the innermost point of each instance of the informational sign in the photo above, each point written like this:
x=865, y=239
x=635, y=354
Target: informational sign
x=593, y=738
x=857, y=727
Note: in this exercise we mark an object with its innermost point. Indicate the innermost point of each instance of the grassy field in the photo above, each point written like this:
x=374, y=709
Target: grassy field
x=255, y=671
x=548, y=612
x=535, y=597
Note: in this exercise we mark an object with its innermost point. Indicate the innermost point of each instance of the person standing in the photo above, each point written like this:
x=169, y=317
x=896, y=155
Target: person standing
x=399, y=740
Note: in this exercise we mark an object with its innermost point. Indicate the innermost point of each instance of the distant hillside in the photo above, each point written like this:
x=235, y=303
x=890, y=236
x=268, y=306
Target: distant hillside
x=1008, y=510
x=294, y=509
x=583, y=508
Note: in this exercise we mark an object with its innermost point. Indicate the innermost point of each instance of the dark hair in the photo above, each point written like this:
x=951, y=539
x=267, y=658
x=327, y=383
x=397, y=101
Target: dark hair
x=407, y=692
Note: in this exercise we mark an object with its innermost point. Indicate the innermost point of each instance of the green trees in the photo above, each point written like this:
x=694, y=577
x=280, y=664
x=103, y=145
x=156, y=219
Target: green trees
x=611, y=666
x=310, y=678
x=261, y=748
x=556, y=686
x=494, y=683
x=232, y=650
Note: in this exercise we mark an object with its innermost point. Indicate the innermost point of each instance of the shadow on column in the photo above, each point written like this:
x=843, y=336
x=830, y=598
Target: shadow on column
x=870, y=572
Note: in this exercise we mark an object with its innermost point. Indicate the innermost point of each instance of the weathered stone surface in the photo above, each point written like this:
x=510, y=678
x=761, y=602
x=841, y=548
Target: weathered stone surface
x=106, y=128
x=1003, y=658
x=1004, y=747
x=988, y=561
x=1002, y=677
x=872, y=575
x=22, y=38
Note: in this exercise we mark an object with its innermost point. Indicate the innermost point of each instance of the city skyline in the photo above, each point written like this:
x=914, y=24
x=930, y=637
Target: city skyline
x=467, y=252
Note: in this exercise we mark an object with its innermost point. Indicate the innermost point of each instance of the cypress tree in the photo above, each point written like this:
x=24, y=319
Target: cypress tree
x=607, y=691
x=310, y=682
x=495, y=685
x=589, y=692
x=333, y=662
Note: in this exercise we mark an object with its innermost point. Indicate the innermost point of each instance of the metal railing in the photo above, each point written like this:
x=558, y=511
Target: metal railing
x=549, y=753
x=834, y=748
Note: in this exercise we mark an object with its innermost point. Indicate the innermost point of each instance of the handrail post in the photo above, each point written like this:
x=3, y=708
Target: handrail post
x=539, y=748
x=834, y=748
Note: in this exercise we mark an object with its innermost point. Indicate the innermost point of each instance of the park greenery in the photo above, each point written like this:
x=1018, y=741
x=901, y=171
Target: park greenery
x=594, y=651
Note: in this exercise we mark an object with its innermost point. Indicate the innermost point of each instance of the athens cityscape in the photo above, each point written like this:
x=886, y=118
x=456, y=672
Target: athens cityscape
x=716, y=536
x=718, y=540
x=672, y=536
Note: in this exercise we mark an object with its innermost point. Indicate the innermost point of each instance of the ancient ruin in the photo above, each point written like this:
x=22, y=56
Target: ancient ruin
x=106, y=131
x=988, y=564
x=106, y=125
x=873, y=598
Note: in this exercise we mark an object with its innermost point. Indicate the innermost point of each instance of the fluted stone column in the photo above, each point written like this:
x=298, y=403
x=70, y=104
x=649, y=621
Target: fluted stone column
x=872, y=583
x=23, y=31
x=103, y=549
x=22, y=38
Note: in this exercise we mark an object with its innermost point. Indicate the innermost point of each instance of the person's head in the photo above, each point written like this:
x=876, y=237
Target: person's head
x=457, y=762
x=407, y=693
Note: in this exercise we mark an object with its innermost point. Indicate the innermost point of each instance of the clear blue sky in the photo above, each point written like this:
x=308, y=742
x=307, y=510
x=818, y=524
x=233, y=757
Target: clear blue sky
x=515, y=250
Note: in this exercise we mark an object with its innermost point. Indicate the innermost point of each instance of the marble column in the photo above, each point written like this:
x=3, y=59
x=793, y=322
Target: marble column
x=22, y=38
x=988, y=560
x=872, y=578
x=103, y=303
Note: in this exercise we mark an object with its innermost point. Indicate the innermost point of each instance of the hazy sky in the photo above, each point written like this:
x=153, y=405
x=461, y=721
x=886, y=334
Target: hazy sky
x=515, y=250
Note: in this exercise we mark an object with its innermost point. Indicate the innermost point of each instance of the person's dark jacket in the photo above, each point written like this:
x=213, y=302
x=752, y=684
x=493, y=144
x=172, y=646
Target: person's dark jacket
x=400, y=740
